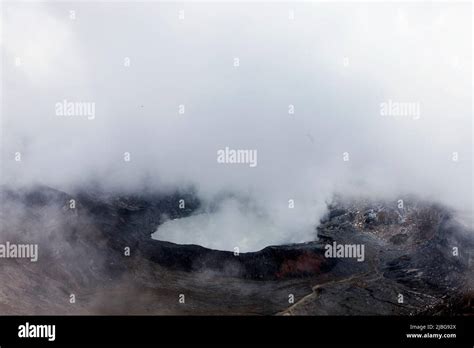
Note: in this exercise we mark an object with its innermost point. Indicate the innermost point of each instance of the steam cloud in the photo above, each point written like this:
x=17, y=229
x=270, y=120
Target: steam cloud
x=334, y=63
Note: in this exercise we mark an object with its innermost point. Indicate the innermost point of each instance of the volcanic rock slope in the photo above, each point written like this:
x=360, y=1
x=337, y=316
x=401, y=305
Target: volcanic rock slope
x=84, y=266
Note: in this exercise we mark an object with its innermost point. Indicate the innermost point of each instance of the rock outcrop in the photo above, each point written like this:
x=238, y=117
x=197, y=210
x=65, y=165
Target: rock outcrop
x=101, y=252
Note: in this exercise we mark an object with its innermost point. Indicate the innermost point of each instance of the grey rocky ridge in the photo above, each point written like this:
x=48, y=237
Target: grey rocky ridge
x=99, y=251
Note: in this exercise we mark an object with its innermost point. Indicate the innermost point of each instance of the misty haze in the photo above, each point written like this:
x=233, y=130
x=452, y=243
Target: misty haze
x=251, y=151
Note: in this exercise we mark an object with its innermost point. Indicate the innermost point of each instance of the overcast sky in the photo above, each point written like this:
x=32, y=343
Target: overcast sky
x=336, y=63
